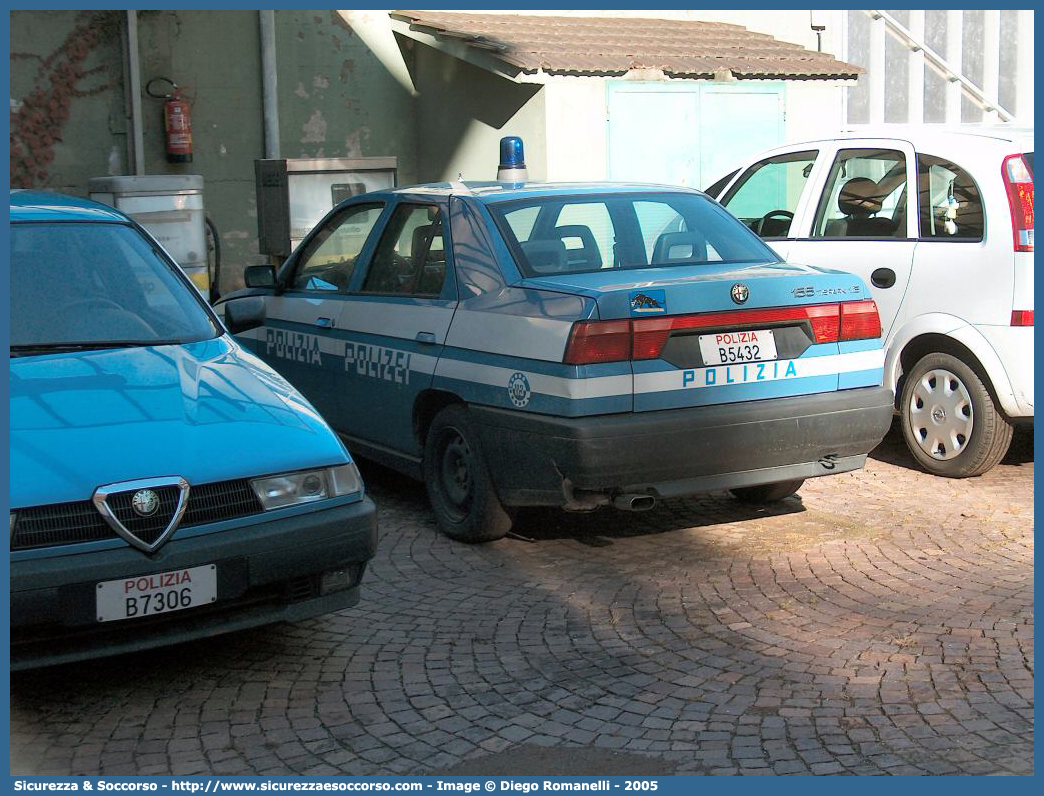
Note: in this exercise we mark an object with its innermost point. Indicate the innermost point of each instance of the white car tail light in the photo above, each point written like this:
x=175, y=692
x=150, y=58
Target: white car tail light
x=1018, y=182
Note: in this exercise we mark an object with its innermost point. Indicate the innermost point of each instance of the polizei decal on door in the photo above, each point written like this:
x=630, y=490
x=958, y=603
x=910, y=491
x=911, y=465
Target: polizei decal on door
x=378, y=362
x=295, y=346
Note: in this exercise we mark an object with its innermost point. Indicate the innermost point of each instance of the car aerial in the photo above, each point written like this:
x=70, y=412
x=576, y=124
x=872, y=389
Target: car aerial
x=574, y=345
x=939, y=222
x=165, y=483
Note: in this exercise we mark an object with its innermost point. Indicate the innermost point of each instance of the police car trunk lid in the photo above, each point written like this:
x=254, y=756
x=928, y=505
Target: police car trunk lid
x=708, y=334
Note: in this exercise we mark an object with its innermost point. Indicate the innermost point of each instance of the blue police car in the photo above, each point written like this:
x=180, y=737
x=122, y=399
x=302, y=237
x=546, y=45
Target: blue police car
x=165, y=483
x=573, y=345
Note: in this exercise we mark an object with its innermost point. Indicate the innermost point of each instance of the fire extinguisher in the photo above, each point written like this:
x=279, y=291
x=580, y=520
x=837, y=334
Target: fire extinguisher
x=177, y=121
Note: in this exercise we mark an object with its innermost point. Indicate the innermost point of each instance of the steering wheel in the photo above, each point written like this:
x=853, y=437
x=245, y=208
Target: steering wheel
x=770, y=215
x=95, y=301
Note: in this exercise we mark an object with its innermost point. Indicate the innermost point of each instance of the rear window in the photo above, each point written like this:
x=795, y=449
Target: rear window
x=576, y=234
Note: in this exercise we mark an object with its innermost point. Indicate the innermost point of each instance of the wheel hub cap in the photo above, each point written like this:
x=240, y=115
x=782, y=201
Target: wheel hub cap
x=941, y=415
x=456, y=470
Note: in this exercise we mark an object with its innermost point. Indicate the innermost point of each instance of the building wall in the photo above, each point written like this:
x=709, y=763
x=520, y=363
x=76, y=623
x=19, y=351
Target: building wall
x=67, y=101
x=578, y=123
x=462, y=113
x=335, y=99
x=213, y=55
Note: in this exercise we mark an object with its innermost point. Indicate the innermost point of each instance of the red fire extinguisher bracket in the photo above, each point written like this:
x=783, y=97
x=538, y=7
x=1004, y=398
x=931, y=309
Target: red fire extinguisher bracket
x=177, y=120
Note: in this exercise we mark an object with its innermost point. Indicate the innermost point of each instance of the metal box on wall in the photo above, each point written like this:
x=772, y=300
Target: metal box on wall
x=170, y=207
x=293, y=194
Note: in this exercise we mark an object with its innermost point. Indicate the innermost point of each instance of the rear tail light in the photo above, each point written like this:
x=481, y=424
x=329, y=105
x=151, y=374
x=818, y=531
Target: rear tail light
x=650, y=336
x=1018, y=182
x=594, y=342
x=1022, y=317
x=826, y=325
x=860, y=321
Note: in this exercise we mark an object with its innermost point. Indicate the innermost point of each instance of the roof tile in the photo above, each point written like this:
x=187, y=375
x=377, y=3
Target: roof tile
x=613, y=46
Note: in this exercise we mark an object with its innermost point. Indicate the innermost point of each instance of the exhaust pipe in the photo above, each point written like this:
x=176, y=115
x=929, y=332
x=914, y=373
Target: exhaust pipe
x=634, y=502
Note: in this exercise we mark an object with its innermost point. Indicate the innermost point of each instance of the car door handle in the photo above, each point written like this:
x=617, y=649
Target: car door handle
x=324, y=323
x=426, y=337
x=882, y=277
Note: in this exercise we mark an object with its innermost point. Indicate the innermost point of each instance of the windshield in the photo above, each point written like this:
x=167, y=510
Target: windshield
x=575, y=234
x=1028, y=157
x=99, y=285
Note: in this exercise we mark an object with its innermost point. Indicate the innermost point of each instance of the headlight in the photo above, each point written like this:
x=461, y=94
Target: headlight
x=306, y=486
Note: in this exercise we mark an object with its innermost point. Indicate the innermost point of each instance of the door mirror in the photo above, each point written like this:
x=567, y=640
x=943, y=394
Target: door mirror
x=259, y=276
x=245, y=313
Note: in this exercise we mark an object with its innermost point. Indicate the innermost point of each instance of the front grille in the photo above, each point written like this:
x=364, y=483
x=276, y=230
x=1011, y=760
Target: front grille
x=71, y=523
x=60, y=523
x=221, y=501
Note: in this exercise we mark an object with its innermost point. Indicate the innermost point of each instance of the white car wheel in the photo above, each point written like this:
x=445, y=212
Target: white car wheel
x=950, y=423
x=941, y=414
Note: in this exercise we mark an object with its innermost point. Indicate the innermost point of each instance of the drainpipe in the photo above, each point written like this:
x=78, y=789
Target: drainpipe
x=268, y=83
x=134, y=69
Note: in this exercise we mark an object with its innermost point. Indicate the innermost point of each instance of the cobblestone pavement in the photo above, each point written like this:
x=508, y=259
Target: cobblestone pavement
x=883, y=623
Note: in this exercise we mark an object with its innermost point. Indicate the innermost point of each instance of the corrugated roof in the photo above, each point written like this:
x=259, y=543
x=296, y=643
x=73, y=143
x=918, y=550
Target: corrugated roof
x=614, y=46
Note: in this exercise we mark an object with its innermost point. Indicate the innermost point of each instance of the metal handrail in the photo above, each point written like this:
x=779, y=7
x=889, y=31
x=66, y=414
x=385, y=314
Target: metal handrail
x=940, y=64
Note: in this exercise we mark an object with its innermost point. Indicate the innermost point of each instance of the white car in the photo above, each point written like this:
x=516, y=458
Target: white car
x=939, y=222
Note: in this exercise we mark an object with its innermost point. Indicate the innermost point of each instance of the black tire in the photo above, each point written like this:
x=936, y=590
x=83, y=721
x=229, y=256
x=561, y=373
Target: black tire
x=767, y=493
x=457, y=478
x=969, y=455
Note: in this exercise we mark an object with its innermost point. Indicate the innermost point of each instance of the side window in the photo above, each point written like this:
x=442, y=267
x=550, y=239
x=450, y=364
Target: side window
x=766, y=196
x=865, y=197
x=328, y=261
x=411, y=257
x=950, y=204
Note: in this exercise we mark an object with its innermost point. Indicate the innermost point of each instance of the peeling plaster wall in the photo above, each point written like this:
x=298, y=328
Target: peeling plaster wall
x=215, y=57
x=336, y=99
x=97, y=106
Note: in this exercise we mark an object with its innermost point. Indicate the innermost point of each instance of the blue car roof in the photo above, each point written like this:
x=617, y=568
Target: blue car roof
x=38, y=206
x=491, y=192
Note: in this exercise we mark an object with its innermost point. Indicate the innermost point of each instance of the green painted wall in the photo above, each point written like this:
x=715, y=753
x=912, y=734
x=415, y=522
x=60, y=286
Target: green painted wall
x=77, y=121
x=214, y=57
x=335, y=100
x=464, y=111
x=335, y=97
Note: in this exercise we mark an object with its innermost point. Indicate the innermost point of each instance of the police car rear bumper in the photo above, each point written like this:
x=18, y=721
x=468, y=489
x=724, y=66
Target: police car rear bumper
x=548, y=460
x=268, y=571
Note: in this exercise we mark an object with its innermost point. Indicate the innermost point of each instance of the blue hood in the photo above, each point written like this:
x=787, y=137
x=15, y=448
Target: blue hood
x=206, y=411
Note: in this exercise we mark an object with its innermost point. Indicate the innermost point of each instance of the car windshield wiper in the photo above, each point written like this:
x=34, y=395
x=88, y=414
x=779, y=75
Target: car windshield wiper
x=91, y=345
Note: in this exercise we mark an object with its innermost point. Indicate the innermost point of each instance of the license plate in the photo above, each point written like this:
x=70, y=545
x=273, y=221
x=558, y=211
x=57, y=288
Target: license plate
x=727, y=348
x=159, y=593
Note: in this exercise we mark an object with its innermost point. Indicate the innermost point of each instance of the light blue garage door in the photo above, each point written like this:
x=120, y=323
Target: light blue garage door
x=690, y=133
